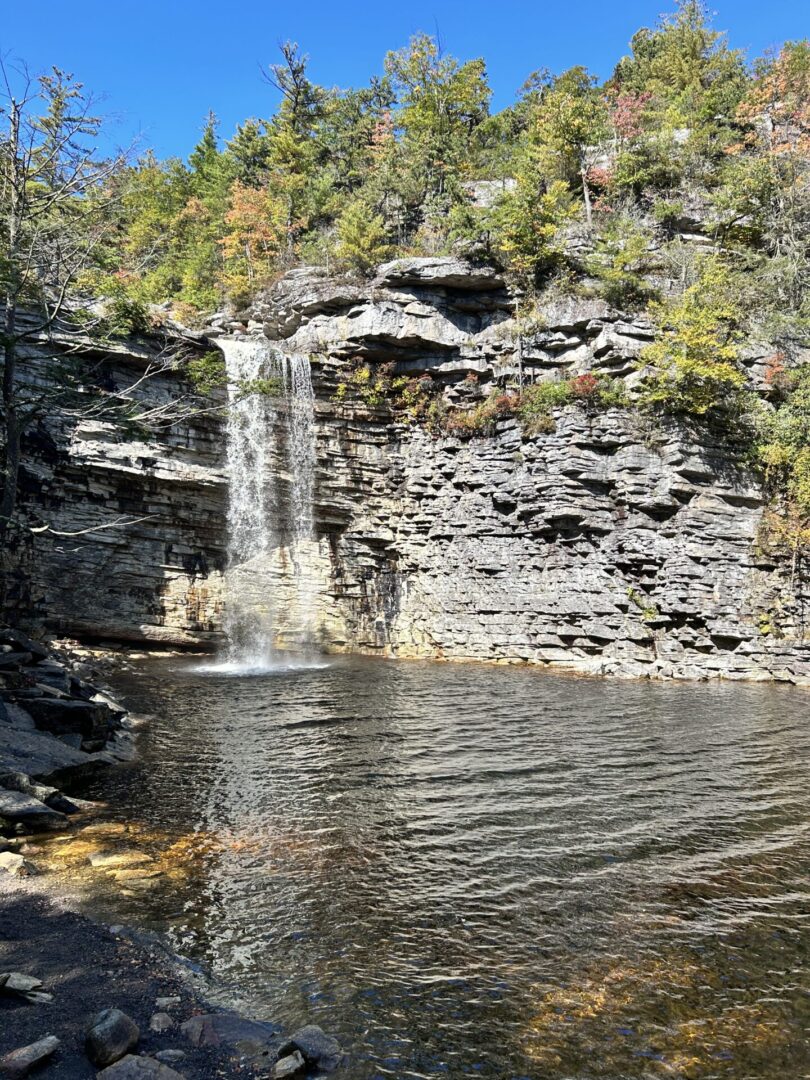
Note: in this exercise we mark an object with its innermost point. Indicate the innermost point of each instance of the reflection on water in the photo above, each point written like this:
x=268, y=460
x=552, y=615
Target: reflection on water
x=468, y=871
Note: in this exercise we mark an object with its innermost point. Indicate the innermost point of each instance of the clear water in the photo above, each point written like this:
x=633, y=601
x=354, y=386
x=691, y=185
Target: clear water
x=485, y=872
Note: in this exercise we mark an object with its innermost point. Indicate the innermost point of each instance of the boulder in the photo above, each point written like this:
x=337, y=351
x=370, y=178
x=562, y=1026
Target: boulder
x=20, y=642
x=27, y=813
x=89, y=719
x=442, y=271
x=38, y=754
x=51, y=796
x=11, y=862
x=317, y=1047
x=21, y=1062
x=15, y=659
x=29, y=987
x=166, y=1002
x=171, y=1055
x=111, y=1035
x=138, y=1068
x=289, y=1065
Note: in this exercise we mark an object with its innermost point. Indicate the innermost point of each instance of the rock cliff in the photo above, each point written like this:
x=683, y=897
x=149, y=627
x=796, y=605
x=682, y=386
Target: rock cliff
x=608, y=544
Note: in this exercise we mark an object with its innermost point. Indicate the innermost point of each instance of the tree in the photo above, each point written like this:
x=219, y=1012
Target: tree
x=693, y=363
x=441, y=103
x=253, y=238
x=694, y=79
x=568, y=129
x=55, y=195
x=362, y=239
x=290, y=137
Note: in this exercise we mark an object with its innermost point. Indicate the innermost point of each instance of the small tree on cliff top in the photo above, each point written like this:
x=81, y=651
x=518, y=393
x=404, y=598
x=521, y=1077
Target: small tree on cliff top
x=59, y=199
x=53, y=219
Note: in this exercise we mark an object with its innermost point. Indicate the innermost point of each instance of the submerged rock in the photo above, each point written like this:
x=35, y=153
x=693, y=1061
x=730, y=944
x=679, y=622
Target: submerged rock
x=111, y=1035
x=252, y=1038
x=104, y=860
x=317, y=1047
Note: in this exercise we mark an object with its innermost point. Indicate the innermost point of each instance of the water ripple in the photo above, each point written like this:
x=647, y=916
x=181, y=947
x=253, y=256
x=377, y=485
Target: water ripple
x=468, y=871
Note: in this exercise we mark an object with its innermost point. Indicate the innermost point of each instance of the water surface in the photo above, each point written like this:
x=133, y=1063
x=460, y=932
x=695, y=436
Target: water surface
x=485, y=872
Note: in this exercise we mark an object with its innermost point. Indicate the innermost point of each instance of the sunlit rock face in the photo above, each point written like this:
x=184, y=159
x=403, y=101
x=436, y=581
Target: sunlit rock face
x=152, y=572
x=607, y=545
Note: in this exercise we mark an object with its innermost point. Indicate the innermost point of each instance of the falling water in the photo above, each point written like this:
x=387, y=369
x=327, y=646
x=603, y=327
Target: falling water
x=271, y=464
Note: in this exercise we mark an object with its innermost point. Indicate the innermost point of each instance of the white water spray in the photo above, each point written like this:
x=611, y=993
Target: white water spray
x=271, y=466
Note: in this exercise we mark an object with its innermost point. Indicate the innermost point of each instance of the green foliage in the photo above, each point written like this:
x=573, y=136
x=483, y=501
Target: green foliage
x=362, y=240
x=695, y=80
x=592, y=392
x=533, y=406
x=693, y=362
x=411, y=399
x=207, y=372
x=442, y=103
x=649, y=612
x=567, y=126
x=525, y=225
x=783, y=445
x=622, y=253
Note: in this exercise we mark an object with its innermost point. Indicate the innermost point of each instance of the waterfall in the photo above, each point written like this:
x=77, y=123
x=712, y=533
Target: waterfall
x=271, y=466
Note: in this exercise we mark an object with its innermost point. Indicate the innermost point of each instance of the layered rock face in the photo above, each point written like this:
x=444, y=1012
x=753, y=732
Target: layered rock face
x=135, y=545
x=609, y=545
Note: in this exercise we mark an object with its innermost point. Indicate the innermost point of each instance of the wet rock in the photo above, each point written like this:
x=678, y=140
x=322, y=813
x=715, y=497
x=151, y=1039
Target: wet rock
x=104, y=860
x=14, y=659
x=250, y=1037
x=111, y=1035
x=160, y=1022
x=21, y=1062
x=51, y=796
x=28, y=814
x=138, y=1068
x=86, y=718
x=12, y=862
x=317, y=1047
x=103, y=828
x=289, y=1065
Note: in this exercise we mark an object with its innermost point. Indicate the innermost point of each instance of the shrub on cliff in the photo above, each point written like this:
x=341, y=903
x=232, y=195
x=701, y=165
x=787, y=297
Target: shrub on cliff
x=692, y=365
x=783, y=446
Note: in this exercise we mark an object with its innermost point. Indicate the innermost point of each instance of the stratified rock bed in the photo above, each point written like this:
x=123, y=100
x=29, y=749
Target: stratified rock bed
x=54, y=726
x=604, y=544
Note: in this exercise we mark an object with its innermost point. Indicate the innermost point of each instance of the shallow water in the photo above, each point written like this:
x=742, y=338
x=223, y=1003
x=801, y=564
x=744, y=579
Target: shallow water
x=477, y=871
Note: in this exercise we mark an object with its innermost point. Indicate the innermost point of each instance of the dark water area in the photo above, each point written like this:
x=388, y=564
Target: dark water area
x=485, y=872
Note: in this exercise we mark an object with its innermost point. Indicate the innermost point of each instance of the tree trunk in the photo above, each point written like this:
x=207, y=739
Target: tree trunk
x=11, y=422
x=586, y=193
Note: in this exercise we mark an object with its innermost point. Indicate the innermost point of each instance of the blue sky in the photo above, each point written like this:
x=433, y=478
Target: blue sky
x=162, y=64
